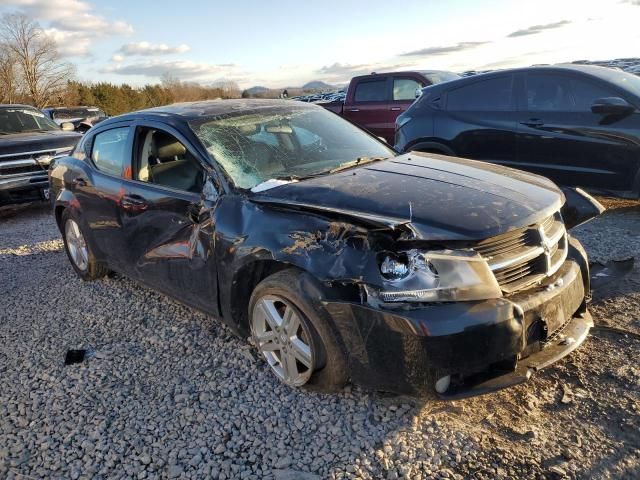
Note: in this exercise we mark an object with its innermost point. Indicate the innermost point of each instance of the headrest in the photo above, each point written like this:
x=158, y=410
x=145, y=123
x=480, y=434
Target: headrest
x=166, y=146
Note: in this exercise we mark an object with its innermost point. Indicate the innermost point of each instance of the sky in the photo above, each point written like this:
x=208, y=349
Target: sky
x=282, y=43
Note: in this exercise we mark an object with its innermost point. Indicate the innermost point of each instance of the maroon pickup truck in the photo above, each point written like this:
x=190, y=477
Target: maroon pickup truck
x=374, y=101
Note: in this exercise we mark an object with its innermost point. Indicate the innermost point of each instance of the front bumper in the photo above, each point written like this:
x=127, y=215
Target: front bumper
x=484, y=346
x=27, y=188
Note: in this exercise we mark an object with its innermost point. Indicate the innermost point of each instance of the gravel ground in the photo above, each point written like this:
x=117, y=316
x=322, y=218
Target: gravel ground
x=170, y=393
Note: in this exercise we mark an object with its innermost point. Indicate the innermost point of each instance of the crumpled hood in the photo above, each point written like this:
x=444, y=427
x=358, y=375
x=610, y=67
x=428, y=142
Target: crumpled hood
x=36, y=141
x=438, y=197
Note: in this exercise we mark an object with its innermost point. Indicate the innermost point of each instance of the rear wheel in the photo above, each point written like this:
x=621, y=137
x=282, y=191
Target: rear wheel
x=293, y=334
x=78, y=250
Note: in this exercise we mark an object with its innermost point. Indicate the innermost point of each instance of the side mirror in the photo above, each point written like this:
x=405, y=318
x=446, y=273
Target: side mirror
x=612, y=106
x=67, y=127
x=418, y=92
x=579, y=207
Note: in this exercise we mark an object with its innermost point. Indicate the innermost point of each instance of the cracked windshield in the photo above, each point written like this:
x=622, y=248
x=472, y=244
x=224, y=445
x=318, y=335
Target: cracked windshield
x=285, y=144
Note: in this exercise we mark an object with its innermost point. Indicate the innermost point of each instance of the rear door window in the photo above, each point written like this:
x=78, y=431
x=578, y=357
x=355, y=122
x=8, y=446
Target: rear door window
x=494, y=94
x=372, y=91
x=110, y=152
x=405, y=88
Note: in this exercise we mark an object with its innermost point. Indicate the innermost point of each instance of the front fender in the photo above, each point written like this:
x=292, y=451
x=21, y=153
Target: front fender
x=333, y=252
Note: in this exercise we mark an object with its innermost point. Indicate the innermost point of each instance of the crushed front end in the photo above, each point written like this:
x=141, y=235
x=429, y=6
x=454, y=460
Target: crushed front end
x=472, y=317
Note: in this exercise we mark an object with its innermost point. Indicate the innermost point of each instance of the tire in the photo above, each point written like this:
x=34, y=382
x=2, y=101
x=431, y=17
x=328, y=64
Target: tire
x=285, y=291
x=85, y=264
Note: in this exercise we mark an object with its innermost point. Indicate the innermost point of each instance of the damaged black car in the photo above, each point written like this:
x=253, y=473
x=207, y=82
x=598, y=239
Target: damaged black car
x=338, y=258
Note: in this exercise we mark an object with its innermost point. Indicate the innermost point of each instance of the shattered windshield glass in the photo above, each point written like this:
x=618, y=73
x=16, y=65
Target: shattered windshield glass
x=285, y=143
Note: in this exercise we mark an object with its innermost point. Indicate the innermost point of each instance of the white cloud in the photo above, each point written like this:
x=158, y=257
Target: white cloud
x=181, y=69
x=117, y=58
x=150, y=49
x=70, y=44
x=73, y=24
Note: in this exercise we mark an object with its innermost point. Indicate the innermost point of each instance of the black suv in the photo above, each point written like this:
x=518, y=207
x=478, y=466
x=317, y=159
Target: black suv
x=29, y=141
x=578, y=125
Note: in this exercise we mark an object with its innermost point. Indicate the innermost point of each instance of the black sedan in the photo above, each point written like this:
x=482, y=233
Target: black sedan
x=579, y=125
x=340, y=259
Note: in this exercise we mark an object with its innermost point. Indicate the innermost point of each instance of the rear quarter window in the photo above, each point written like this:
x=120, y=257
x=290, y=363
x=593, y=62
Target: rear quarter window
x=494, y=94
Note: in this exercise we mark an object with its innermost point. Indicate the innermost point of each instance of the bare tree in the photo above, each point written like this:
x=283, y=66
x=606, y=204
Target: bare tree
x=40, y=66
x=8, y=75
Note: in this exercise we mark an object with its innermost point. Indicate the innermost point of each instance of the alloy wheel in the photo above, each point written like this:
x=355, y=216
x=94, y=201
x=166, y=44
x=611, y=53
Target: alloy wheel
x=76, y=245
x=283, y=339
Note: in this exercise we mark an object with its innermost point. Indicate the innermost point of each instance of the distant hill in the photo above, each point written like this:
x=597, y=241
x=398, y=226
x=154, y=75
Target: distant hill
x=256, y=90
x=317, y=85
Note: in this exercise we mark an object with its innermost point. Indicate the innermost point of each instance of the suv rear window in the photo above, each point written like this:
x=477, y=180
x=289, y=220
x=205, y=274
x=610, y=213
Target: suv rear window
x=372, y=91
x=494, y=94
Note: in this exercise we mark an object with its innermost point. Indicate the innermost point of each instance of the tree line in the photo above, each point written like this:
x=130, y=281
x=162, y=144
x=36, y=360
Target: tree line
x=33, y=72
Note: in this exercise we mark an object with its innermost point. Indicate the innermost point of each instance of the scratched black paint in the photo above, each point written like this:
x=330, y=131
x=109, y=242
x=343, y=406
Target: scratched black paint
x=210, y=250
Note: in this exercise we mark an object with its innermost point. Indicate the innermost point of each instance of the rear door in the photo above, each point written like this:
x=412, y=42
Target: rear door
x=370, y=106
x=480, y=121
x=559, y=137
x=167, y=223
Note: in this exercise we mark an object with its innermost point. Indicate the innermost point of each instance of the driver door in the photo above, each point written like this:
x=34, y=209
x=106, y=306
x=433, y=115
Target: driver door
x=167, y=225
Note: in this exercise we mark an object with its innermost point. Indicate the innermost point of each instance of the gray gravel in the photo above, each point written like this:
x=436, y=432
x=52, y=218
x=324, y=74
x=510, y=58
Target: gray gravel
x=170, y=393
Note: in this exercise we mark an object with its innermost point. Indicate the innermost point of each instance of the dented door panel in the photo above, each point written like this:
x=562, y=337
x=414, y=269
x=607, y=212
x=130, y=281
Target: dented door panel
x=169, y=245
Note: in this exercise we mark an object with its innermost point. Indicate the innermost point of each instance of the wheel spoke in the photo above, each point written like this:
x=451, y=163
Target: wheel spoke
x=266, y=337
x=290, y=322
x=302, y=352
x=270, y=347
x=289, y=367
x=271, y=313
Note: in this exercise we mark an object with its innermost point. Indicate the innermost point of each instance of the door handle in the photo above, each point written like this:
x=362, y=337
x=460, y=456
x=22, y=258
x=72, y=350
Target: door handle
x=354, y=109
x=395, y=108
x=533, y=122
x=133, y=202
x=79, y=182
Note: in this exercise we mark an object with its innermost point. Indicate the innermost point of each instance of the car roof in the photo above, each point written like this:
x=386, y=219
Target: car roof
x=17, y=105
x=602, y=73
x=212, y=108
x=70, y=108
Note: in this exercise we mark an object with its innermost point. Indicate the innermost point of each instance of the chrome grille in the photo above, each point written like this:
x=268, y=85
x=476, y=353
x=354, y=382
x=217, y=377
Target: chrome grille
x=526, y=256
x=24, y=165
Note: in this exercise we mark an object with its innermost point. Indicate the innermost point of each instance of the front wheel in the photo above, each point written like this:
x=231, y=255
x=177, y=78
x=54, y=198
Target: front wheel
x=78, y=250
x=293, y=335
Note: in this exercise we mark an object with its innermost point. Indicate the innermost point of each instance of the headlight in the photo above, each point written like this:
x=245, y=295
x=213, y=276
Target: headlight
x=438, y=276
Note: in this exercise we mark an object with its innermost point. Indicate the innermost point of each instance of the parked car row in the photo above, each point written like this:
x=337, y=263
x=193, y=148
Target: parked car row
x=578, y=125
x=337, y=96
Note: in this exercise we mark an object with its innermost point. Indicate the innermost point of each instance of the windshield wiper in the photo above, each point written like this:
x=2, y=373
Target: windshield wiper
x=357, y=162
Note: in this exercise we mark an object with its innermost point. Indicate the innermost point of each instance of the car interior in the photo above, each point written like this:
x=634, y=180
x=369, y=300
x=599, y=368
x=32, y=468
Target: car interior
x=164, y=160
